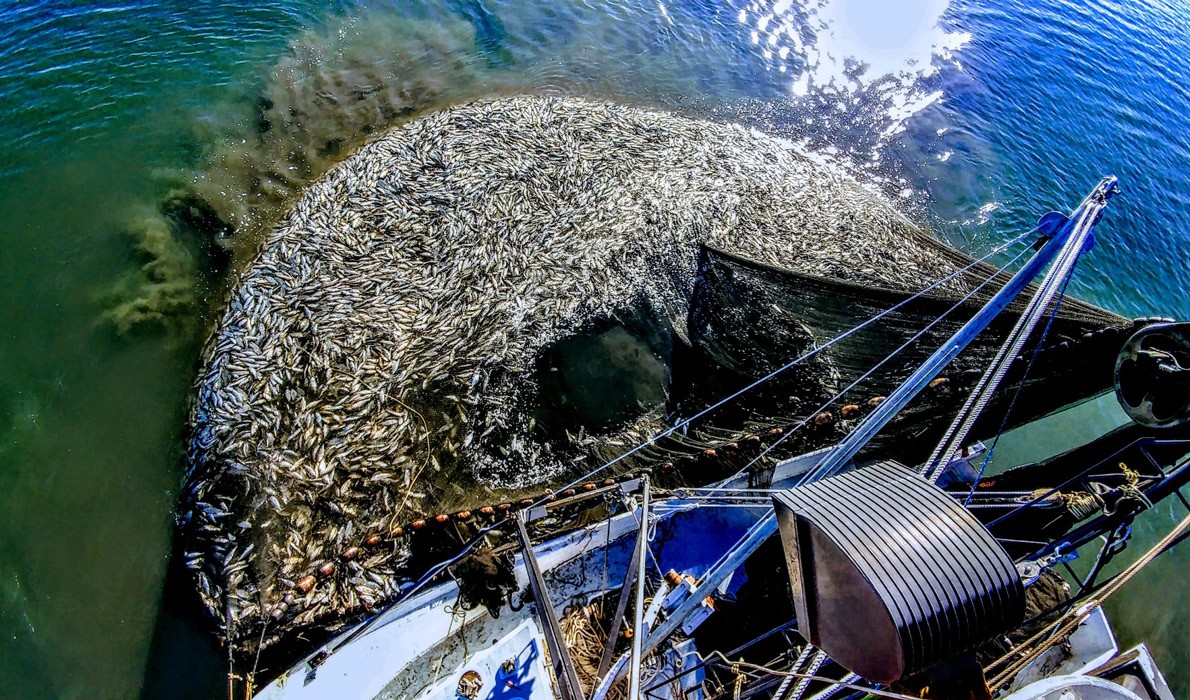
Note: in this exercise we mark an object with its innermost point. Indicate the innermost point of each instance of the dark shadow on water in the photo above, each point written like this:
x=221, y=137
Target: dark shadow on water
x=184, y=662
x=603, y=377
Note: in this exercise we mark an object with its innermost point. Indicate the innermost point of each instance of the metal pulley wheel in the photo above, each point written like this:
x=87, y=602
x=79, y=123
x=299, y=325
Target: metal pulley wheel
x=1153, y=375
x=890, y=575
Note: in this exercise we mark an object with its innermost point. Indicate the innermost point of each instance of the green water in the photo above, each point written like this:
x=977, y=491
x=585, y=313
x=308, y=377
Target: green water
x=1147, y=610
x=96, y=103
x=89, y=464
x=109, y=107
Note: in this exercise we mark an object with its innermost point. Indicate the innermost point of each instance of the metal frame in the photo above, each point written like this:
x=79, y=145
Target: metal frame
x=715, y=667
x=638, y=628
x=1069, y=239
x=1118, y=525
x=561, y=663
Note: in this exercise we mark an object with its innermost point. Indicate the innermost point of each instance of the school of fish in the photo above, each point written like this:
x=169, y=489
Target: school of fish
x=374, y=362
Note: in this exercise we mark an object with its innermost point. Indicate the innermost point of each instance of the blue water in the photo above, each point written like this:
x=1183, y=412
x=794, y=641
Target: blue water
x=975, y=117
x=1053, y=95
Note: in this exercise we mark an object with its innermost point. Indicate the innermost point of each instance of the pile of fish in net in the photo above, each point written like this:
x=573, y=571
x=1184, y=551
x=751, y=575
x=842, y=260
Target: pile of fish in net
x=377, y=363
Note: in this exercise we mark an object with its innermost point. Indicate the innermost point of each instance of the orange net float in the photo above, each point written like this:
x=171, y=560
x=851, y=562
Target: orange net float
x=940, y=381
x=824, y=419
x=397, y=531
x=373, y=539
x=417, y=524
x=350, y=553
x=463, y=515
x=849, y=410
x=307, y=583
x=710, y=452
x=441, y=518
x=875, y=401
x=327, y=569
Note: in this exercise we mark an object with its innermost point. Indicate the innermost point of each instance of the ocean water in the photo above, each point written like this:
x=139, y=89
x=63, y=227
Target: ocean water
x=147, y=145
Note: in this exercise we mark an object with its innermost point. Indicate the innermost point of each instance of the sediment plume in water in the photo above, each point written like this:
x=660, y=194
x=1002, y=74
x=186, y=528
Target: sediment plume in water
x=354, y=76
x=375, y=363
x=333, y=88
x=349, y=80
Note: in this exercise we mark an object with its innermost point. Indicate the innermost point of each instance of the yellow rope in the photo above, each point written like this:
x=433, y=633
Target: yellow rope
x=1048, y=636
x=1130, y=488
x=739, y=680
x=584, y=636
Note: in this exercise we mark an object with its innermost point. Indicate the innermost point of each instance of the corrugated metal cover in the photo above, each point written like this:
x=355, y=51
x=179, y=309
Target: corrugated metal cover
x=890, y=575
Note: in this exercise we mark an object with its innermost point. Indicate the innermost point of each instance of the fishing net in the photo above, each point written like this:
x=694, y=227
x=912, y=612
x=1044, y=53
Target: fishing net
x=748, y=319
x=491, y=300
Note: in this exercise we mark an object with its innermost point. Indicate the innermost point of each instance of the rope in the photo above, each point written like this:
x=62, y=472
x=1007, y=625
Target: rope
x=1051, y=634
x=1062, y=270
x=584, y=636
x=681, y=425
x=232, y=677
x=987, y=458
x=834, y=690
x=815, y=663
x=1130, y=490
x=812, y=677
x=881, y=363
x=787, y=684
x=250, y=681
x=1081, y=505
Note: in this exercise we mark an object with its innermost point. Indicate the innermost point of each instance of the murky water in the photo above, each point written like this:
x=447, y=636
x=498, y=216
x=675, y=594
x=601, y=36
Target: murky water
x=978, y=115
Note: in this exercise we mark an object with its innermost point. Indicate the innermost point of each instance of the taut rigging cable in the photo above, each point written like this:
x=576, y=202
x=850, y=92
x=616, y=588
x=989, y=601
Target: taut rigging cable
x=482, y=533
x=1054, y=283
x=888, y=357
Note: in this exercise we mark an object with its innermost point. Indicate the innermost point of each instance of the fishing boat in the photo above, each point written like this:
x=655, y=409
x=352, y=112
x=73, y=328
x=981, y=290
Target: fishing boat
x=840, y=572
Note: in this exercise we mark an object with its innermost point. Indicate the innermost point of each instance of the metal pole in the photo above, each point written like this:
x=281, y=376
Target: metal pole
x=560, y=661
x=845, y=450
x=950, y=443
x=605, y=662
x=638, y=631
x=1061, y=241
